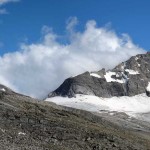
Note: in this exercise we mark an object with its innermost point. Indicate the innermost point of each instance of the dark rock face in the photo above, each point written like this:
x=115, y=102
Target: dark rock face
x=148, y=93
x=136, y=86
x=128, y=78
x=85, y=84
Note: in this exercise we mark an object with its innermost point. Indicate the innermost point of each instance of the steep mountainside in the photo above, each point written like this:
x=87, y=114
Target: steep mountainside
x=26, y=123
x=127, y=79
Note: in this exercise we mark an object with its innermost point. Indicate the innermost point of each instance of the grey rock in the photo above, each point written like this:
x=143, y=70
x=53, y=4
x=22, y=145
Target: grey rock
x=89, y=85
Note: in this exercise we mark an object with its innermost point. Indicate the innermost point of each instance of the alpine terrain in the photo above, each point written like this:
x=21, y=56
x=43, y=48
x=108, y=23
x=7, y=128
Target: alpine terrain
x=100, y=110
x=127, y=79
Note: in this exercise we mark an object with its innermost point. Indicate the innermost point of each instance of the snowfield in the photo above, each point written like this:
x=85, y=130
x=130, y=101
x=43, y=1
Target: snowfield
x=135, y=106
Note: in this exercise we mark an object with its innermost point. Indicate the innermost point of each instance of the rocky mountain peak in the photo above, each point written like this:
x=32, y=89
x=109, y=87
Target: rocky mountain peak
x=129, y=78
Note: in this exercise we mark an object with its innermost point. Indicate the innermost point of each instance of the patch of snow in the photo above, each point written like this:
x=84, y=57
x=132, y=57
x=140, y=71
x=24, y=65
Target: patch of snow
x=110, y=79
x=111, y=114
x=95, y=75
x=133, y=72
x=122, y=67
x=136, y=58
x=21, y=133
x=148, y=87
x=139, y=65
x=133, y=106
x=2, y=89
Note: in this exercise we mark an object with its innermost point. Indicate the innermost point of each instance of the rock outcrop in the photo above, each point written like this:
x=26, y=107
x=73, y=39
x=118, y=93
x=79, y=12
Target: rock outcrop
x=127, y=79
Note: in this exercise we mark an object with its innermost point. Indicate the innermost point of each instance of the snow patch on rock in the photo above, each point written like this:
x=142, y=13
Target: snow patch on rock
x=95, y=75
x=148, y=87
x=108, y=77
x=2, y=89
x=133, y=72
x=21, y=133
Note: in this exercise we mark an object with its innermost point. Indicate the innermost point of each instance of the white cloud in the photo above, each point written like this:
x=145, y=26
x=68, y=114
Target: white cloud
x=71, y=23
x=41, y=67
x=2, y=2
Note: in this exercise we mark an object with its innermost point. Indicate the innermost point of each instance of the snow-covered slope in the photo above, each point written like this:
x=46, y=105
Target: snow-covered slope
x=135, y=106
x=125, y=88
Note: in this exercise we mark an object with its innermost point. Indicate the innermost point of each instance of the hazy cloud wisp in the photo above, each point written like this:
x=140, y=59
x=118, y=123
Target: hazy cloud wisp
x=3, y=2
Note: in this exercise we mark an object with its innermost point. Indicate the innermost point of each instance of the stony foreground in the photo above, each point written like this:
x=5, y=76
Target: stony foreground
x=28, y=124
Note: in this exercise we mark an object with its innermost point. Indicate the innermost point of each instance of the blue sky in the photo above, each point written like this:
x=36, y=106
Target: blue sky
x=25, y=19
x=44, y=42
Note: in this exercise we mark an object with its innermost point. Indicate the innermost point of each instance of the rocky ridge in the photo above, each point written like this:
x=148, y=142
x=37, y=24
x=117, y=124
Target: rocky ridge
x=127, y=79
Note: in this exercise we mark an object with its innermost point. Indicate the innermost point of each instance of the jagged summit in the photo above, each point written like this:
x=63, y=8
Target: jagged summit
x=129, y=78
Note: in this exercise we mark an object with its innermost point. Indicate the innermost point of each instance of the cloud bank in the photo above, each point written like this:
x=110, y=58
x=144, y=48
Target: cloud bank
x=38, y=68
